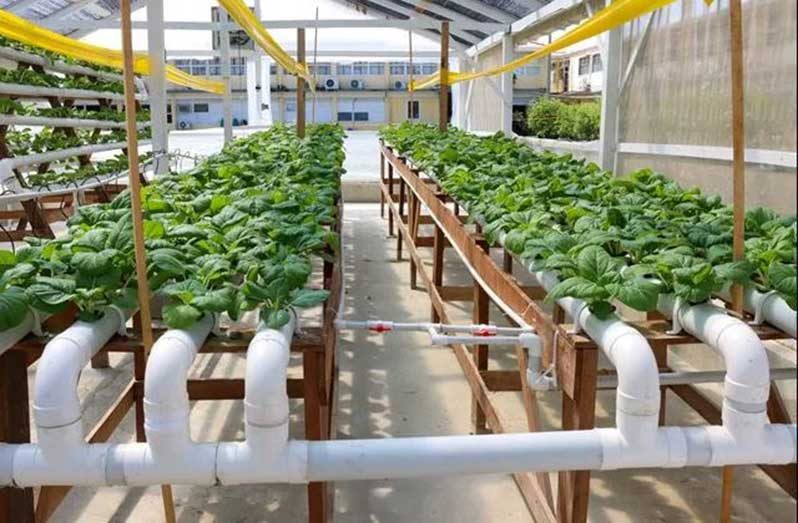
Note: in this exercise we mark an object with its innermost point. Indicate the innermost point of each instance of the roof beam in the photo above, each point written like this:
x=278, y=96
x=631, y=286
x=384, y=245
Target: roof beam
x=173, y=54
x=488, y=10
x=412, y=13
x=58, y=18
x=415, y=24
x=20, y=6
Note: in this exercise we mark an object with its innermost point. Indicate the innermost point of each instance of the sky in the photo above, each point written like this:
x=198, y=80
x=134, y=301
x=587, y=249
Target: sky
x=331, y=39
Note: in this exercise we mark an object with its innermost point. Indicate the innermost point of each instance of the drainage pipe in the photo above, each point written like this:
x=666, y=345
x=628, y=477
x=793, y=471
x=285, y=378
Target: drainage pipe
x=61, y=456
x=166, y=419
x=266, y=455
x=610, y=381
x=747, y=382
x=767, y=307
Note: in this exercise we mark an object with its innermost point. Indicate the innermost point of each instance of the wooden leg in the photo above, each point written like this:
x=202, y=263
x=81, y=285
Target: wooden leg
x=578, y=413
x=413, y=218
x=507, y=262
x=402, y=189
x=41, y=229
x=661, y=355
x=312, y=365
x=481, y=315
x=437, y=266
x=382, y=180
x=390, y=193
x=100, y=361
x=16, y=505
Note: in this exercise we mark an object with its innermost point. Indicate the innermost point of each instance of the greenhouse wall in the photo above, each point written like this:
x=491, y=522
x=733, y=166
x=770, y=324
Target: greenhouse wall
x=679, y=93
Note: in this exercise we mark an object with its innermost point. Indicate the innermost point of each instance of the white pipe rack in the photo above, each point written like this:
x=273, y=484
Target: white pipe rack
x=62, y=457
x=57, y=190
x=56, y=66
x=44, y=121
x=36, y=92
x=6, y=165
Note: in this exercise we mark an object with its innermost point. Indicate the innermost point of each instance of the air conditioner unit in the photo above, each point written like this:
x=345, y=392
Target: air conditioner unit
x=399, y=85
x=331, y=84
x=357, y=84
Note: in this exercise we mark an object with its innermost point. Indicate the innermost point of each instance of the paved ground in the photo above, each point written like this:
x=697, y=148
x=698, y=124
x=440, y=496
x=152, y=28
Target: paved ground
x=399, y=386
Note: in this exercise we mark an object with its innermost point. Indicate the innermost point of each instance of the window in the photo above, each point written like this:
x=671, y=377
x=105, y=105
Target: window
x=345, y=69
x=199, y=67
x=376, y=69
x=584, y=65
x=360, y=68
x=596, y=63
x=361, y=117
x=321, y=69
x=238, y=66
x=183, y=108
x=200, y=108
x=416, y=69
x=344, y=116
x=273, y=69
x=397, y=68
x=413, y=110
x=215, y=70
x=429, y=68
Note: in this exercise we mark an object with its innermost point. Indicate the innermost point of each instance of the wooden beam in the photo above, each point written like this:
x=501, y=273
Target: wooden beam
x=300, y=84
x=443, y=97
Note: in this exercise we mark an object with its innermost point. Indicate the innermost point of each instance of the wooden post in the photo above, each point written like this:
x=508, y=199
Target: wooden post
x=738, y=181
x=16, y=505
x=138, y=224
x=443, y=98
x=300, y=84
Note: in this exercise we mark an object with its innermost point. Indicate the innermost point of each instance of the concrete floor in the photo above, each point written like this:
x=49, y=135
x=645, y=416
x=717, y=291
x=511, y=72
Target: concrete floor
x=397, y=385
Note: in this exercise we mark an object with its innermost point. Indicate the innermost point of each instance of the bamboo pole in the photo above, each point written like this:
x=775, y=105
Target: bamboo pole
x=143, y=287
x=300, y=84
x=443, y=116
x=738, y=182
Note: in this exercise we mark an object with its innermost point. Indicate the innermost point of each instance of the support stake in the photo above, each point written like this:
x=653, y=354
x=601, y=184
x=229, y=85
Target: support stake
x=138, y=226
x=300, y=84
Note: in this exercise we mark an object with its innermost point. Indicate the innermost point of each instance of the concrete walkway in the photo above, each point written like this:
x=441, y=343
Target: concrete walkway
x=399, y=386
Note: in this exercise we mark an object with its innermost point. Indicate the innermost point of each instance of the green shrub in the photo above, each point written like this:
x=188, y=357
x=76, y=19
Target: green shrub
x=543, y=117
x=549, y=118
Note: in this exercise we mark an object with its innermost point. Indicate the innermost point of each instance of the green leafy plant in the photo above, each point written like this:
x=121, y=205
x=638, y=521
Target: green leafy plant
x=637, y=236
x=236, y=233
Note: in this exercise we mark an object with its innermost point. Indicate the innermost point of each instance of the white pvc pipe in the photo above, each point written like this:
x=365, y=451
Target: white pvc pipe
x=166, y=414
x=747, y=382
x=265, y=455
x=638, y=395
x=610, y=381
x=37, y=91
x=772, y=308
x=60, y=154
x=61, y=456
x=46, y=121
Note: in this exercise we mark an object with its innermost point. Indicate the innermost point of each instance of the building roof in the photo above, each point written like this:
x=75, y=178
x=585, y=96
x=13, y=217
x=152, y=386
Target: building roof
x=58, y=14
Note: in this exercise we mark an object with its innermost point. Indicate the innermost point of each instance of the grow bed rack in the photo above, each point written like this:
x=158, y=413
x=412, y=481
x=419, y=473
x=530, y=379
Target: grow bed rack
x=404, y=191
x=316, y=388
x=36, y=213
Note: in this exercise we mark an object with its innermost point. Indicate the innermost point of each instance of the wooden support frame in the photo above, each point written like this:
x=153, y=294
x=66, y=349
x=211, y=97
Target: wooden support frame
x=577, y=356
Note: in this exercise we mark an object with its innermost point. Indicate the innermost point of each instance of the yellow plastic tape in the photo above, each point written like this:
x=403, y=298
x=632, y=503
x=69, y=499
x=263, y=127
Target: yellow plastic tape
x=249, y=23
x=617, y=13
x=19, y=29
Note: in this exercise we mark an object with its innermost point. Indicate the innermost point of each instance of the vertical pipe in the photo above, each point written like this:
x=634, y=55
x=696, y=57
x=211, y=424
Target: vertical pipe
x=157, y=85
x=300, y=84
x=507, y=86
x=259, y=84
x=143, y=289
x=227, y=97
x=610, y=92
x=443, y=108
